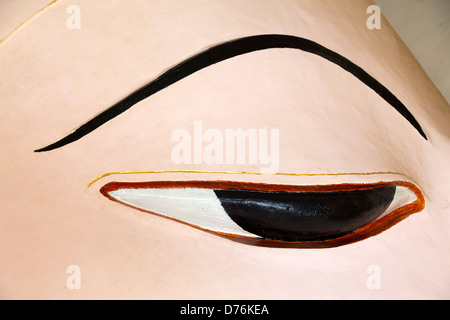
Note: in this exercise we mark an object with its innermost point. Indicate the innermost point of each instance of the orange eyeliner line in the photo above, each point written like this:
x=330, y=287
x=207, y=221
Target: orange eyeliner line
x=362, y=233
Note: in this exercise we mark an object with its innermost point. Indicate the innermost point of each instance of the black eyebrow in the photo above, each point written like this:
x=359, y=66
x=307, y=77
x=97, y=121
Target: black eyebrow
x=226, y=51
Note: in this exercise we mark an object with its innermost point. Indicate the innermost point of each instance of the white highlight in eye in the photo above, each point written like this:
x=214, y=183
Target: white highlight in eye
x=199, y=207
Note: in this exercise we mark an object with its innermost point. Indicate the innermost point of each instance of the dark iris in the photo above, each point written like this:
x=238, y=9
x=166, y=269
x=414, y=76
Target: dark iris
x=304, y=216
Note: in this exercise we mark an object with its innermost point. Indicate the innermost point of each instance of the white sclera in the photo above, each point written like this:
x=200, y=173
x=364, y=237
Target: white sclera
x=199, y=207
x=402, y=197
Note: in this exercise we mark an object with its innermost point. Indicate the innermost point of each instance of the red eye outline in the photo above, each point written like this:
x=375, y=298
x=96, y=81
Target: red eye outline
x=374, y=228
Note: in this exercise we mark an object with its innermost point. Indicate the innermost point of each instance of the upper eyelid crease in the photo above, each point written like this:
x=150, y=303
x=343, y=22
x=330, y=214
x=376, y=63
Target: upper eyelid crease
x=226, y=51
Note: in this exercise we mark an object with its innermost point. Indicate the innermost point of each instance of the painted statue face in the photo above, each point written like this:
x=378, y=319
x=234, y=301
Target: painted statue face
x=308, y=156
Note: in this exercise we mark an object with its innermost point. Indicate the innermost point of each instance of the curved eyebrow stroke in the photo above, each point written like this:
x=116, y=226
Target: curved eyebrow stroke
x=226, y=51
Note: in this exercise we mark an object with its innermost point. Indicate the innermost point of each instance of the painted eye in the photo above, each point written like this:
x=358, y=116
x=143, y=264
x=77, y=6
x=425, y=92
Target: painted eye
x=275, y=215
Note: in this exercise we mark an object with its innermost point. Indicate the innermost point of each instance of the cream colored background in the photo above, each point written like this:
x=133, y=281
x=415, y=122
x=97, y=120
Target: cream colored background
x=424, y=26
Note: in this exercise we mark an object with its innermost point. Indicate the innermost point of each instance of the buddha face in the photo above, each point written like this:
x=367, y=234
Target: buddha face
x=221, y=150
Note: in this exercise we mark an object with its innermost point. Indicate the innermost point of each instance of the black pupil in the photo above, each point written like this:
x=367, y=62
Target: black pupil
x=304, y=216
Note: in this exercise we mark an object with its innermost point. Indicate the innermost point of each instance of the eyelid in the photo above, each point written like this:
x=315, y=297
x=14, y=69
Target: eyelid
x=399, y=209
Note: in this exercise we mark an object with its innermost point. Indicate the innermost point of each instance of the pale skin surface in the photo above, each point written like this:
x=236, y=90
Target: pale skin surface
x=54, y=79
